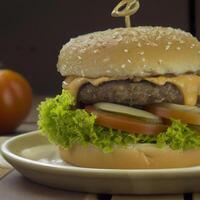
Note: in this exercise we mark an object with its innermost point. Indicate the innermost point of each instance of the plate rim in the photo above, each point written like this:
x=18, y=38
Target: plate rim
x=7, y=154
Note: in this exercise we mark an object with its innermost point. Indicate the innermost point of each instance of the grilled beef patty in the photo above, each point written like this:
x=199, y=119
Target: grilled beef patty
x=130, y=93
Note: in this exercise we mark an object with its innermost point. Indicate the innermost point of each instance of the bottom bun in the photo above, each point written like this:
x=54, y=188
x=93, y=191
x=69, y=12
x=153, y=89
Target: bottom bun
x=140, y=156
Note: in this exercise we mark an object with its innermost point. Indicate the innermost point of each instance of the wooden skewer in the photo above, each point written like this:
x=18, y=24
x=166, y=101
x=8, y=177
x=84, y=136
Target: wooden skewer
x=126, y=8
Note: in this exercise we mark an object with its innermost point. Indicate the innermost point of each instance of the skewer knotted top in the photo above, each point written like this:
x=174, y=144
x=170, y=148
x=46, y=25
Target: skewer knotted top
x=126, y=8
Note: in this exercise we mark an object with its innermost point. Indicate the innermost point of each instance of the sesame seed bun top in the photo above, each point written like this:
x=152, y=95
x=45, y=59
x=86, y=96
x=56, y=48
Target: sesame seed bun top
x=130, y=52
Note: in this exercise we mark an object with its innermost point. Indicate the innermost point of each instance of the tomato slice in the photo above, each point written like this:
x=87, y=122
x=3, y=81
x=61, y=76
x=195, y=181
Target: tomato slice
x=169, y=111
x=124, y=123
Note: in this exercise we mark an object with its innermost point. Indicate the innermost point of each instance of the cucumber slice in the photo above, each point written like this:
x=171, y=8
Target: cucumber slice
x=125, y=110
x=184, y=108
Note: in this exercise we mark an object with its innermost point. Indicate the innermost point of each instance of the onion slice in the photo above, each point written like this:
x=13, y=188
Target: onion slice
x=128, y=111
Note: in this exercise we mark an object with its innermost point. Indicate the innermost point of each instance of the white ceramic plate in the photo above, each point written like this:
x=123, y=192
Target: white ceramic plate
x=33, y=156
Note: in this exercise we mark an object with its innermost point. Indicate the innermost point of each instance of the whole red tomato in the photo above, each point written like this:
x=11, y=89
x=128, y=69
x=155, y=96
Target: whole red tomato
x=15, y=100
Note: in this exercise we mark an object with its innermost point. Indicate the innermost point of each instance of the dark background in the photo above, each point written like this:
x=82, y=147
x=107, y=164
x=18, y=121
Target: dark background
x=32, y=31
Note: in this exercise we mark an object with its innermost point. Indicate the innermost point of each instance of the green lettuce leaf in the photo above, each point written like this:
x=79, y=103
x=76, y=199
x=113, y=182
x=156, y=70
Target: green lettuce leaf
x=65, y=126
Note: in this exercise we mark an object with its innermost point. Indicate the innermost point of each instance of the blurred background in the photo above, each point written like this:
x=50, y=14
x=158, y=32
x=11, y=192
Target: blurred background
x=33, y=31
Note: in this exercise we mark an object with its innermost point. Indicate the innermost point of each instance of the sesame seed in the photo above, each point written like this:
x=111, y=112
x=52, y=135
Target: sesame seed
x=95, y=51
x=108, y=71
x=143, y=59
x=126, y=50
x=65, y=83
x=120, y=38
x=142, y=72
x=106, y=59
x=82, y=73
x=167, y=47
x=169, y=43
x=192, y=46
x=160, y=61
x=147, y=43
x=83, y=50
x=64, y=67
x=154, y=44
x=129, y=61
x=123, y=66
x=145, y=65
x=198, y=52
x=79, y=57
x=141, y=53
x=174, y=38
x=181, y=41
x=139, y=44
x=116, y=33
x=158, y=37
x=178, y=48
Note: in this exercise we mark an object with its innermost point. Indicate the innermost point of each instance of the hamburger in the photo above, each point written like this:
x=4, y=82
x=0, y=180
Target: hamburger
x=129, y=100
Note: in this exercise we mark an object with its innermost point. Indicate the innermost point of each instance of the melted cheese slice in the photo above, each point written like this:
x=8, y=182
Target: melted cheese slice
x=73, y=84
x=188, y=84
